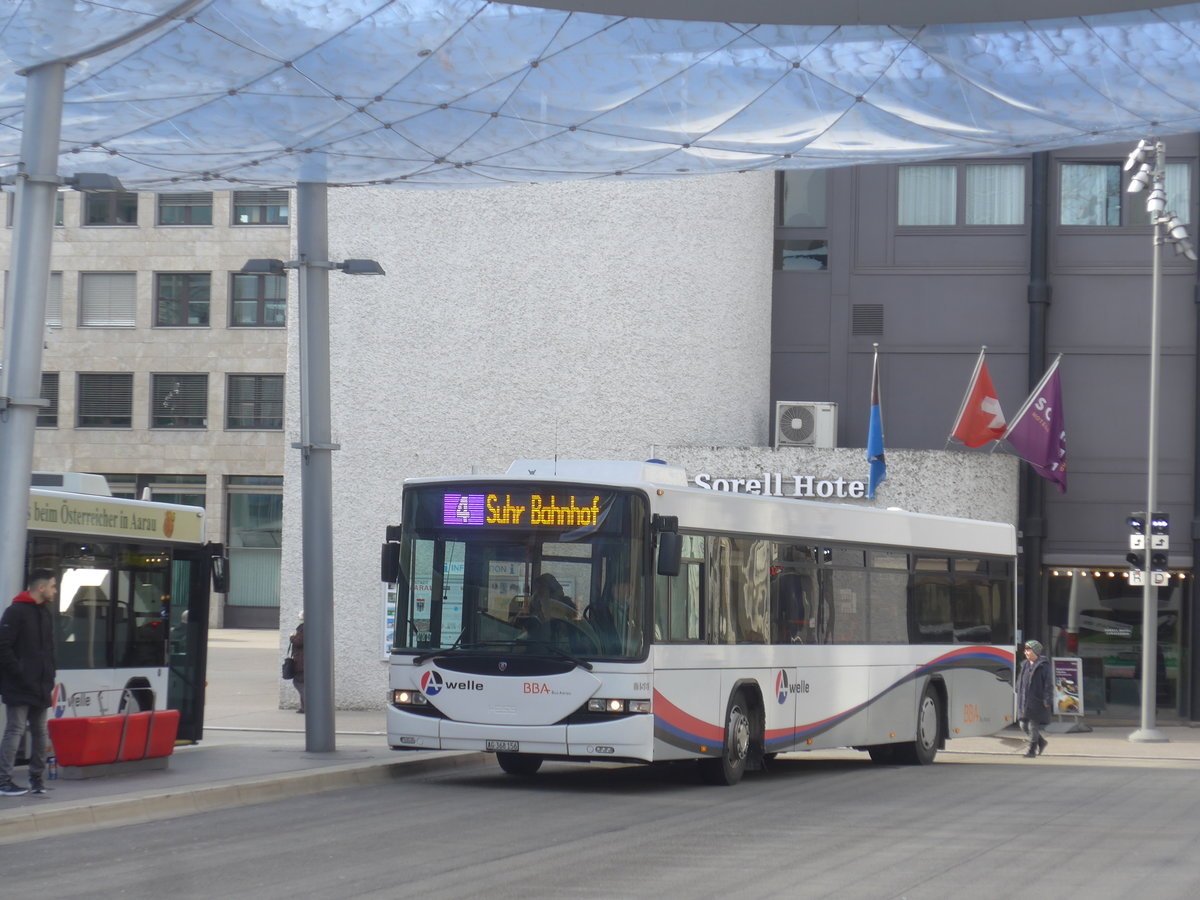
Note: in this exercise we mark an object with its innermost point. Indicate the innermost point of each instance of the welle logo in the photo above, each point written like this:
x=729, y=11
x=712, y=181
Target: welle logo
x=432, y=684
x=783, y=687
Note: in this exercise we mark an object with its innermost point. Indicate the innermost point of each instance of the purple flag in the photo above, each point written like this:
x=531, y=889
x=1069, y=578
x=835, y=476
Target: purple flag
x=1039, y=433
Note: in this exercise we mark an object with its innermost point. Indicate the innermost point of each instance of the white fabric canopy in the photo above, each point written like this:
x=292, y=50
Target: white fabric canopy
x=466, y=92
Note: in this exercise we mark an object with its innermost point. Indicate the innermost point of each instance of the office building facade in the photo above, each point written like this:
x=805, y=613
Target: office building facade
x=163, y=365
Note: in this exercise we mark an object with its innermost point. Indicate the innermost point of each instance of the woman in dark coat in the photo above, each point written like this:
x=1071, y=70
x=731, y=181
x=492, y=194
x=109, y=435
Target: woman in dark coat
x=1034, y=696
x=297, y=643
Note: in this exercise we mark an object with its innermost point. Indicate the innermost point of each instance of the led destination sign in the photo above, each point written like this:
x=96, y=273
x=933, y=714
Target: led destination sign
x=525, y=509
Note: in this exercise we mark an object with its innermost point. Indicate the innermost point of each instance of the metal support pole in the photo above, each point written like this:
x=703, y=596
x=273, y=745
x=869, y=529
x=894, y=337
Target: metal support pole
x=316, y=471
x=1147, y=733
x=21, y=381
x=1034, y=610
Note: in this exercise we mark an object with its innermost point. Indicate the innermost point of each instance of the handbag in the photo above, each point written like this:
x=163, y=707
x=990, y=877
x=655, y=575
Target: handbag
x=289, y=666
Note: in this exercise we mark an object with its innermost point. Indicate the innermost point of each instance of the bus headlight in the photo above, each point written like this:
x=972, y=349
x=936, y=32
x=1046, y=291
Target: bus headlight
x=408, y=697
x=616, y=706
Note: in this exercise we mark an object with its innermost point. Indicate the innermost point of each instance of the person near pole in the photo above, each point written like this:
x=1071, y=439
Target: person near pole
x=297, y=653
x=27, y=674
x=1034, y=696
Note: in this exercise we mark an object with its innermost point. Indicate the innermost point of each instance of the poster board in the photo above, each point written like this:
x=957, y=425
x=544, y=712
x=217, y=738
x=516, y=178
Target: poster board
x=1068, y=686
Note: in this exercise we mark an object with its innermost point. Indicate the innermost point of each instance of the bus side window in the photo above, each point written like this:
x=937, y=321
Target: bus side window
x=932, y=619
x=677, y=599
x=791, y=590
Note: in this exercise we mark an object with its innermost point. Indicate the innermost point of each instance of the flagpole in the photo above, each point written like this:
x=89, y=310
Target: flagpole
x=962, y=407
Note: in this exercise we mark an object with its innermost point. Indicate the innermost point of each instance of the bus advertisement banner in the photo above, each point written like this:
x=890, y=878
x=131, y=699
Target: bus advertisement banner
x=111, y=517
x=1068, y=686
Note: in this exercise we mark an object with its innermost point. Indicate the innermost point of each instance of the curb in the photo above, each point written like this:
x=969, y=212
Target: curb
x=32, y=822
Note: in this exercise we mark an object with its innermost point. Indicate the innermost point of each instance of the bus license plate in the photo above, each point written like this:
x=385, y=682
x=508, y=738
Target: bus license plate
x=503, y=746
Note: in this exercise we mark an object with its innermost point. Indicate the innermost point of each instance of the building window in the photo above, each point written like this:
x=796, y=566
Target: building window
x=179, y=401
x=801, y=199
x=186, y=489
x=948, y=195
x=255, y=532
x=110, y=208
x=802, y=255
x=185, y=209
x=800, y=237
x=54, y=300
x=104, y=401
x=107, y=299
x=1094, y=194
x=12, y=209
x=47, y=416
x=258, y=300
x=254, y=402
x=182, y=299
x=260, y=207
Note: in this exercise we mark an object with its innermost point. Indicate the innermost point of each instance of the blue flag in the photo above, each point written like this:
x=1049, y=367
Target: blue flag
x=875, y=456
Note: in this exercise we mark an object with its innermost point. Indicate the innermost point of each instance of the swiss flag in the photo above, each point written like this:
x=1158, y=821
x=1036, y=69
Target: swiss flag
x=980, y=420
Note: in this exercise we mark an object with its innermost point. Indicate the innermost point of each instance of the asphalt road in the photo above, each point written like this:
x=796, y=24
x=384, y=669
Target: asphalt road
x=809, y=828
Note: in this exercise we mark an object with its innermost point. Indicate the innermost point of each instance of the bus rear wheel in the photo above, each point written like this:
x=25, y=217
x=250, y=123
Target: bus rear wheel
x=729, y=768
x=922, y=751
x=519, y=763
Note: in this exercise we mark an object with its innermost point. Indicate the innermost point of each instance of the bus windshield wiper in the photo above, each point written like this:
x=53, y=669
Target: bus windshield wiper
x=455, y=650
x=582, y=663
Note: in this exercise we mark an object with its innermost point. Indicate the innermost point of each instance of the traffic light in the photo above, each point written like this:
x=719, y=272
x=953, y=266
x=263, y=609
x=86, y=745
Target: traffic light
x=1160, y=529
x=1159, y=544
x=1153, y=546
x=1137, y=529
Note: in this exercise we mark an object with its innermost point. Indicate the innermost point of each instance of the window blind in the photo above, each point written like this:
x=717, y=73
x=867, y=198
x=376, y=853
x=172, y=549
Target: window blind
x=107, y=299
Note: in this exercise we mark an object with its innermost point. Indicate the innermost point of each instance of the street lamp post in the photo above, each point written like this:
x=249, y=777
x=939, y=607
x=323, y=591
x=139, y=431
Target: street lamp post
x=316, y=446
x=1166, y=227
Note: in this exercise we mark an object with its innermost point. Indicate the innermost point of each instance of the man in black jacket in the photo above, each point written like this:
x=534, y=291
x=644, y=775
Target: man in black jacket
x=27, y=678
x=1034, y=695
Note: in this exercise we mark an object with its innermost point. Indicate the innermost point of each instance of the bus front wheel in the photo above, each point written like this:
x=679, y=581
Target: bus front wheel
x=731, y=765
x=519, y=763
x=929, y=731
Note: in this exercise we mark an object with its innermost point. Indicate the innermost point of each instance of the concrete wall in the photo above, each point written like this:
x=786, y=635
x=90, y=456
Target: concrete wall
x=579, y=319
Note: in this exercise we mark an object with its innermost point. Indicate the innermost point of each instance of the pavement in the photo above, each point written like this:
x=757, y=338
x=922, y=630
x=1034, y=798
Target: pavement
x=253, y=752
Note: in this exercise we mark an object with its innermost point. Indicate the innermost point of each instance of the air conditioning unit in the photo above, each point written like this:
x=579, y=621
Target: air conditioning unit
x=800, y=423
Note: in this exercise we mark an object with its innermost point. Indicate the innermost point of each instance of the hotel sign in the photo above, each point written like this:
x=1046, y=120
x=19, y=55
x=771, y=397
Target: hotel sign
x=773, y=484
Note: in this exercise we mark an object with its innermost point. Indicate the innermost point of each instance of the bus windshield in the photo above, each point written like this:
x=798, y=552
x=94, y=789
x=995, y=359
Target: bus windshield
x=526, y=569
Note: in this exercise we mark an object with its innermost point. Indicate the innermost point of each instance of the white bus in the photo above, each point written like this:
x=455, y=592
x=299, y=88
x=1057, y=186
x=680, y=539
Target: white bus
x=584, y=611
x=131, y=619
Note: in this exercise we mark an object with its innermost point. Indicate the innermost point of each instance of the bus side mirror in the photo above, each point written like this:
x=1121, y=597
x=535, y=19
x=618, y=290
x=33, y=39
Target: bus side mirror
x=670, y=553
x=220, y=574
x=218, y=567
x=389, y=564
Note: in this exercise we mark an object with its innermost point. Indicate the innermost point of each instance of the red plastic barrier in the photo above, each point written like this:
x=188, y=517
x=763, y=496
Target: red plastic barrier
x=96, y=740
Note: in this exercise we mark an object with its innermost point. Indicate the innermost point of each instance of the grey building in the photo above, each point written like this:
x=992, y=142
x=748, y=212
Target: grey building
x=1034, y=257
